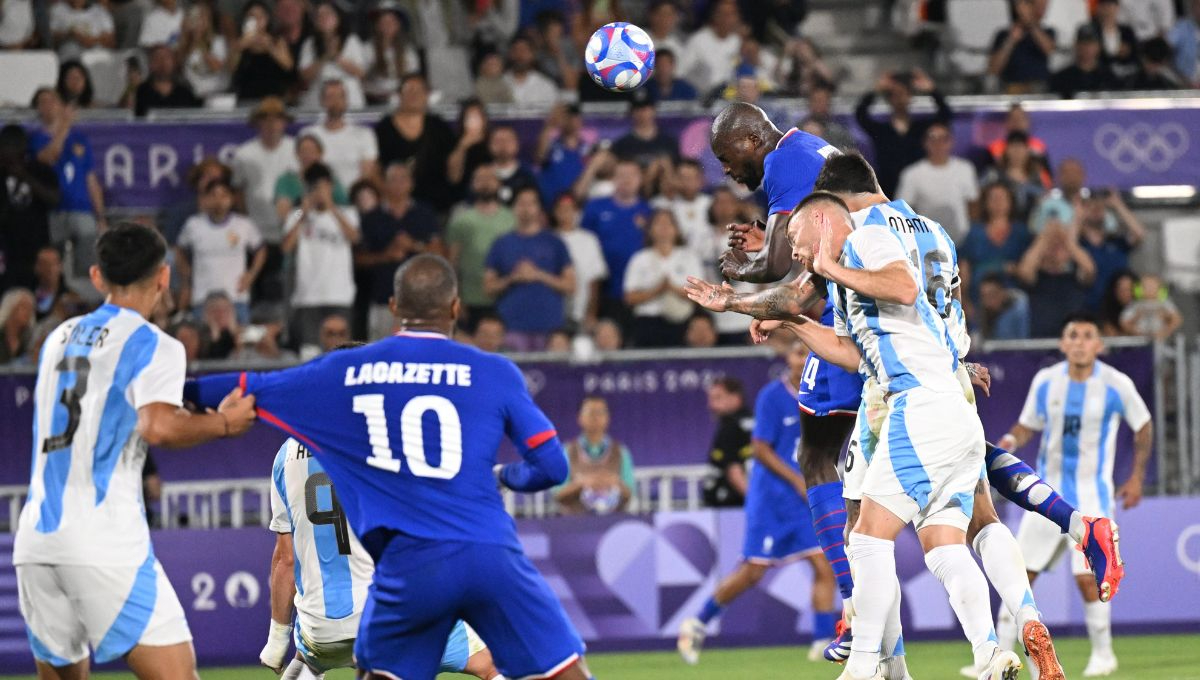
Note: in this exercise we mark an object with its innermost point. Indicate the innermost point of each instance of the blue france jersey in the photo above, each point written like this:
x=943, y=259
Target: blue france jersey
x=408, y=429
x=776, y=422
x=1079, y=423
x=790, y=171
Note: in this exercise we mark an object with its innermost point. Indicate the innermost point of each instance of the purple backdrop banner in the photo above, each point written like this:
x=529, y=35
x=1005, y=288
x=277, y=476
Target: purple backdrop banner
x=659, y=409
x=143, y=165
x=628, y=581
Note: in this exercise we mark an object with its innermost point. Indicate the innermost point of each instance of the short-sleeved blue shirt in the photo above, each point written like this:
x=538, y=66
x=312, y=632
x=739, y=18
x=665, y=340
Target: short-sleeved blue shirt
x=620, y=230
x=73, y=166
x=530, y=307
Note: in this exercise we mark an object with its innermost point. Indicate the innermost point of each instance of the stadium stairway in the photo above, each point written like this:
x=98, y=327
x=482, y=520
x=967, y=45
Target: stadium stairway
x=854, y=38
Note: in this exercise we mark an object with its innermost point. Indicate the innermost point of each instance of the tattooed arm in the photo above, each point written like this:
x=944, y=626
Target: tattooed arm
x=785, y=302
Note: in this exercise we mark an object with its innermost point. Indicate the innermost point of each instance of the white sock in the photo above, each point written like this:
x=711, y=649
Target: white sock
x=892, y=628
x=895, y=668
x=964, y=583
x=875, y=560
x=1098, y=616
x=1006, y=630
x=297, y=670
x=1005, y=568
x=1076, y=532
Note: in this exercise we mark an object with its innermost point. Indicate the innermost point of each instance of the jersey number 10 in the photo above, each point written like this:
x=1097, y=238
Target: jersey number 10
x=412, y=435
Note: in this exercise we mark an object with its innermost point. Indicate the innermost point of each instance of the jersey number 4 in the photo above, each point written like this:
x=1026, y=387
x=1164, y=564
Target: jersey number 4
x=412, y=435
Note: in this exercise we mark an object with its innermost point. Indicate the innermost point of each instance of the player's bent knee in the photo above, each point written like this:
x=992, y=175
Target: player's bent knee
x=754, y=571
x=76, y=671
x=167, y=662
x=938, y=535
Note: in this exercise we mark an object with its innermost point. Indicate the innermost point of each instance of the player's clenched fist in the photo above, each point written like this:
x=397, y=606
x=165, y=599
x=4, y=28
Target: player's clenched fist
x=238, y=411
x=275, y=651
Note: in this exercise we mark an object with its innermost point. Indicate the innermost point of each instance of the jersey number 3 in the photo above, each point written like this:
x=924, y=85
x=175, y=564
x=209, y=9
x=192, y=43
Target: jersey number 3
x=71, y=400
x=412, y=435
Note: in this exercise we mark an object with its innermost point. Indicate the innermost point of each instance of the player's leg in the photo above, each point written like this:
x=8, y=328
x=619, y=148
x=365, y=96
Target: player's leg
x=169, y=662
x=820, y=447
x=1041, y=545
x=467, y=654
x=57, y=635
x=825, y=617
x=1097, y=616
x=1097, y=536
x=298, y=670
x=693, y=631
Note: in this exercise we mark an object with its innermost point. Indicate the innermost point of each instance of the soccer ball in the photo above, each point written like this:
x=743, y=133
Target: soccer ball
x=619, y=57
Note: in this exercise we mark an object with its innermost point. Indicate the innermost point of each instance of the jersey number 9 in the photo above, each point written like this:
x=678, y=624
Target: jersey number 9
x=333, y=516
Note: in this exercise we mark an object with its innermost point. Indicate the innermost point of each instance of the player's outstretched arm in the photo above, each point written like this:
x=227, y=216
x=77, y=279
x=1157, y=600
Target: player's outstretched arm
x=167, y=425
x=543, y=462
x=822, y=340
x=770, y=264
x=785, y=302
x=283, y=595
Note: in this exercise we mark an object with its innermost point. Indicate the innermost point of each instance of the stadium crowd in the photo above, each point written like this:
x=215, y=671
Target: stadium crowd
x=562, y=246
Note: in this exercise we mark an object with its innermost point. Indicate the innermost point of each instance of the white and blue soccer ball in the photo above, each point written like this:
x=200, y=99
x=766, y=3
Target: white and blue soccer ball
x=619, y=57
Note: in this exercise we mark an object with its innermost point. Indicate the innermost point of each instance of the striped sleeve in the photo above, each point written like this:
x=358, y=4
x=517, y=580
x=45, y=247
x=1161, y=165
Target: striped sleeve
x=1033, y=414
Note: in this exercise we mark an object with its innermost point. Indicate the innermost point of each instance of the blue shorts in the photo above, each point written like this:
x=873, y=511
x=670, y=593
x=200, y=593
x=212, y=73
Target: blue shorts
x=422, y=588
x=324, y=657
x=827, y=390
x=778, y=521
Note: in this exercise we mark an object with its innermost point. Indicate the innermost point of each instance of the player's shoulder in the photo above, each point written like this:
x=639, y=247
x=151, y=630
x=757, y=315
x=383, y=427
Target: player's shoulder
x=1050, y=372
x=1112, y=376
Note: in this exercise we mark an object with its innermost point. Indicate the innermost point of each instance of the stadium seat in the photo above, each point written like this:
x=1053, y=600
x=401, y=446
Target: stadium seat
x=108, y=70
x=1181, y=252
x=38, y=68
x=971, y=25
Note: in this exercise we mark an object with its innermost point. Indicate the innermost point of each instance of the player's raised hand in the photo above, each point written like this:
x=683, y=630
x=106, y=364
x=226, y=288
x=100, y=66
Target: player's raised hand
x=824, y=260
x=760, y=329
x=750, y=238
x=980, y=377
x=1130, y=492
x=733, y=262
x=239, y=412
x=710, y=296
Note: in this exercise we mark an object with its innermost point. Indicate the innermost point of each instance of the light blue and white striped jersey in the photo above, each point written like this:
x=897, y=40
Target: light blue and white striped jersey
x=1079, y=423
x=932, y=252
x=85, y=490
x=332, y=569
x=903, y=346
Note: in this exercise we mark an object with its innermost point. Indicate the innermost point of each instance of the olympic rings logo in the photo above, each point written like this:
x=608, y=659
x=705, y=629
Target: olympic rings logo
x=1141, y=146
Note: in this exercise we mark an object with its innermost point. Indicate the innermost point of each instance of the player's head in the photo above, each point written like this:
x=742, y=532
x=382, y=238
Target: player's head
x=593, y=415
x=1081, y=342
x=425, y=293
x=131, y=262
x=725, y=396
x=818, y=211
x=847, y=174
x=742, y=136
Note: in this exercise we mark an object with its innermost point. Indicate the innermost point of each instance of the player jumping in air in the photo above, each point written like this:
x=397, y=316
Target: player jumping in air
x=109, y=384
x=1078, y=404
x=407, y=429
x=778, y=525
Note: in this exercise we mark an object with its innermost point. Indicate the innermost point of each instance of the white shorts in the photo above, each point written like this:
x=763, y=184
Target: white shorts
x=858, y=456
x=928, y=459
x=68, y=608
x=1042, y=543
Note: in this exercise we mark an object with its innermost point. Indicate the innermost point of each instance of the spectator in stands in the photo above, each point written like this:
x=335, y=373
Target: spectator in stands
x=491, y=84
x=18, y=28
x=80, y=25
x=321, y=234
x=470, y=233
x=898, y=142
x=489, y=333
x=222, y=336
x=1061, y=201
x=163, y=89
x=471, y=151
x=1185, y=41
x=1057, y=273
x=712, y=52
x=645, y=142
x=174, y=215
x=289, y=189
x=80, y=214
x=1156, y=72
x=1108, y=248
x=204, y=52
x=994, y=245
x=1118, y=43
x=335, y=331
x=690, y=205
x=1117, y=298
x=607, y=336
x=1021, y=53
x=820, y=110
x=74, y=84
x=1017, y=120
x=16, y=325
x=50, y=286
x=332, y=52
x=349, y=149
x=212, y=251
x=618, y=221
x=662, y=25
x=1151, y=314
x=654, y=284
x=944, y=185
x=727, y=481
x=389, y=56
x=505, y=150
x=162, y=25
x=556, y=54
x=1021, y=172
x=1003, y=311
x=1088, y=73
x=258, y=164
x=802, y=69
x=701, y=332
x=262, y=341
x=601, y=477
x=28, y=192
x=529, y=273
x=529, y=86
x=292, y=22
x=263, y=62
x=494, y=23
x=756, y=67
x=664, y=86
x=560, y=152
x=411, y=132
x=559, y=342
x=188, y=335
x=587, y=259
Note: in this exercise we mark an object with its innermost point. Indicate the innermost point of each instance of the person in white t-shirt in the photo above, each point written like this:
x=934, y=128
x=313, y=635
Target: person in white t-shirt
x=711, y=53
x=212, y=249
x=332, y=52
x=945, y=186
x=690, y=207
x=389, y=55
x=322, y=235
x=529, y=86
x=16, y=25
x=163, y=25
x=80, y=25
x=260, y=162
x=586, y=257
x=654, y=283
x=351, y=151
x=204, y=52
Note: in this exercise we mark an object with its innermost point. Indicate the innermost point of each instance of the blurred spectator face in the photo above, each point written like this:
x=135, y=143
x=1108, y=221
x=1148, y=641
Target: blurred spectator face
x=594, y=417
x=750, y=51
x=572, y=123
x=387, y=26
x=520, y=55
x=607, y=336
x=899, y=97
x=1123, y=289
x=723, y=402
x=1107, y=10
x=691, y=180
x=492, y=66
x=333, y=99
x=747, y=89
x=1016, y=154
x=700, y=332
x=558, y=342
x=664, y=234
x=75, y=82
x=366, y=198
x=1017, y=119
x=271, y=129
x=664, y=66
x=819, y=99
x=503, y=145
x=327, y=20
x=938, y=144
x=664, y=19
x=308, y=151
x=414, y=96
x=398, y=182
x=1057, y=256
x=1071, y=176
x=49, y=106
x=189, y=337
x=725, y=18
x=1026, y=12
x=48, y=267
x=484, y=183
x=289, y=13
x=642, y=115
x=1094, y=212
x=320, y=193
x=1151, y=285
x=813, y=127
x=489, y=335
x=1087, y=52
x=257, y=17
x=992, y=296
x=566, y=212
x=219, y=312
x=162, y=63
x=218, y=201
x=334, y=331
x=210, y=169
x=997, y=202
x=627, y=180
x=724, y=207
x=527, y=208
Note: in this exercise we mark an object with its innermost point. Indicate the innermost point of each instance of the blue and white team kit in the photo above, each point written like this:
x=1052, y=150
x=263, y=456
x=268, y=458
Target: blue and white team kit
x=1079, y=422
x=332, y=569
x=86, y=571
x=778, y=520
x=419, y=492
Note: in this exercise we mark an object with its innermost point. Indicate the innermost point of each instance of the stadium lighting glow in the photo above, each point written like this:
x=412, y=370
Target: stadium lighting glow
x=1164, y=191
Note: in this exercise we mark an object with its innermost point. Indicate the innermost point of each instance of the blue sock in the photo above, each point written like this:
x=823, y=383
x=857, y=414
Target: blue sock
x=710, y=611
x=824, y=625
x=1017, y=482
x=829, y=520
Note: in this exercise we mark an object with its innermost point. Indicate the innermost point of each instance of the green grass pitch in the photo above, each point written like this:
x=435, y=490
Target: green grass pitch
x=1165, y=657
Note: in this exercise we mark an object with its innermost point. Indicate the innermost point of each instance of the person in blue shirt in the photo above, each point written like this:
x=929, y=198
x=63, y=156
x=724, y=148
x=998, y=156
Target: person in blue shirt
x=664, y=86
x=619, y=221
x=407, y=429
x=560, y=152
x=529, y=272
